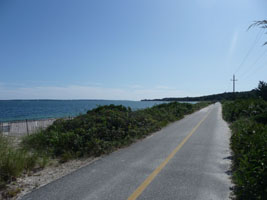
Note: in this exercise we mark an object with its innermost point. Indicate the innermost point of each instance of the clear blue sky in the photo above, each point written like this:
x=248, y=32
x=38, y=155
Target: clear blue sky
x=129, y=49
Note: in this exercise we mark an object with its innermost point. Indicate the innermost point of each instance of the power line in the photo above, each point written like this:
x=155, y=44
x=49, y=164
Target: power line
x=250, y=68
x=254, y=71
x=258, y=37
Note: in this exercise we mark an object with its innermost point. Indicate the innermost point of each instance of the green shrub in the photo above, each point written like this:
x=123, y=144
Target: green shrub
x=234, y=110
x=104, y=129
x=261, y=118
x=250, y=159
x=248, y=142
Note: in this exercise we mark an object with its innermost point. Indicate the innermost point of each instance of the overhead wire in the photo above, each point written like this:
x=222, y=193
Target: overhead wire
x=250, y=68
x=258, y=37
x=255, y=70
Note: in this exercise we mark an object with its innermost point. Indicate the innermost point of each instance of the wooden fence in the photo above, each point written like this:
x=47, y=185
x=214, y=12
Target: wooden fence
x=22, y=128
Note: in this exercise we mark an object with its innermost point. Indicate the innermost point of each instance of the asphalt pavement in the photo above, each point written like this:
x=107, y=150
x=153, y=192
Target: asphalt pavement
x=188, y=159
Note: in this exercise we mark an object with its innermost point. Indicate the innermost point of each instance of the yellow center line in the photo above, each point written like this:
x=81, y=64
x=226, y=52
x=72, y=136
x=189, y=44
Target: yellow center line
x=151, y=177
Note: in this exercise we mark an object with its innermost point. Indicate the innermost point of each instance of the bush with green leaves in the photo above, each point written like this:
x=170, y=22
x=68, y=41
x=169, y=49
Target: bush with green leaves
x=234, y=110
x=104, y=129
x=249, y=146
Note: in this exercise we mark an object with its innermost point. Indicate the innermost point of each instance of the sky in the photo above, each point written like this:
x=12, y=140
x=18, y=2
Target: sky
x=129, y=49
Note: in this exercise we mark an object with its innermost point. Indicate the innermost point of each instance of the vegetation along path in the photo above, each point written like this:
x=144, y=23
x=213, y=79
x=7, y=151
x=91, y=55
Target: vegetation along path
x=188, y=159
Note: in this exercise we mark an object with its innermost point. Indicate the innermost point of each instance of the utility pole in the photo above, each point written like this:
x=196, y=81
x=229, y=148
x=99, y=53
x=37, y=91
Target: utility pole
x=234, y=80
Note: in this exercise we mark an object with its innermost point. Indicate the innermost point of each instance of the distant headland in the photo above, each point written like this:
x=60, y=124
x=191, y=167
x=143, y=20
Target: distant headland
x=212, y=97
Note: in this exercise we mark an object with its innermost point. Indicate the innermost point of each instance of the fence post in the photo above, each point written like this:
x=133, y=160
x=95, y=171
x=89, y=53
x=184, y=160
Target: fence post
x=8, y=128
x=27, y=127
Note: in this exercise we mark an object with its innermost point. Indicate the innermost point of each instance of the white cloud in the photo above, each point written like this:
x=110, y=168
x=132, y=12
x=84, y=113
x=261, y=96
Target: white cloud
x=88, y=92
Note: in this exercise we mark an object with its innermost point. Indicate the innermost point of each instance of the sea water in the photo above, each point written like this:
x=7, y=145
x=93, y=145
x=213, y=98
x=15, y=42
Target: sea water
x=13, y=110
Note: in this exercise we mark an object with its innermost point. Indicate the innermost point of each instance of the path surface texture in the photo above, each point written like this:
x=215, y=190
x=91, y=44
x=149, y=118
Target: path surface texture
x=188, y=159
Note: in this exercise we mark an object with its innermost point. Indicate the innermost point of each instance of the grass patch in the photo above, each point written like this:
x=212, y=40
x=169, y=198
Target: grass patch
x=15, y=161
x=12, y=161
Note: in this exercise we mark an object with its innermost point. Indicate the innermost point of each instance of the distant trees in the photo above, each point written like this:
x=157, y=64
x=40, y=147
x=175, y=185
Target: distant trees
x=259, y=92
x=262, y=90
x=261, y=24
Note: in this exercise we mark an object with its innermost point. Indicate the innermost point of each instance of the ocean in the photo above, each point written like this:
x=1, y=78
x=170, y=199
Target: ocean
x=15, y=110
